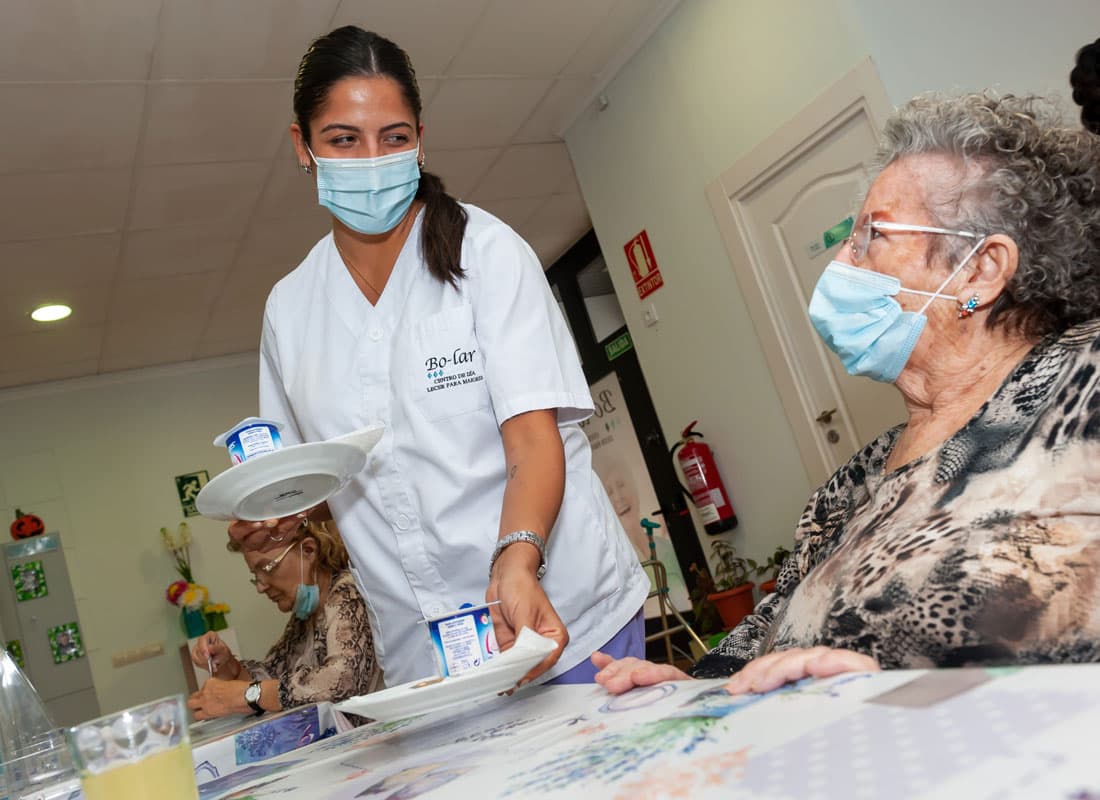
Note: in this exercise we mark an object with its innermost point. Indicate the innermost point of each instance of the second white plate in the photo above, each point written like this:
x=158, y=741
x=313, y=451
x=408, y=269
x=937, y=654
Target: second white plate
x=287, y=481
x=420, y=697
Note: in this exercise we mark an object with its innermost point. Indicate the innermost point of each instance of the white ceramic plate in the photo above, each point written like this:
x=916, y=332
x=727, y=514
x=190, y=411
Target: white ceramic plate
x=286, y=481
x=410, y=699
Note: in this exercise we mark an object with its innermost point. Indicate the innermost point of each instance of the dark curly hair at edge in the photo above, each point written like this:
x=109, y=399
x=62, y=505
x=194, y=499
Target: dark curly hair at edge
x=1023, y=173
x=1085, y=82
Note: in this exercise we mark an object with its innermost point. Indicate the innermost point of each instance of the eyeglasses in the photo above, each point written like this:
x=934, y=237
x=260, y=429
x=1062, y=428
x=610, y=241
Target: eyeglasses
x=860, y=239
x=269, y=567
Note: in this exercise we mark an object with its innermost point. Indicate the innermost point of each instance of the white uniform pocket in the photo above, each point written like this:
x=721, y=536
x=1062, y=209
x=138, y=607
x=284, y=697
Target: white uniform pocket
x=448, y=370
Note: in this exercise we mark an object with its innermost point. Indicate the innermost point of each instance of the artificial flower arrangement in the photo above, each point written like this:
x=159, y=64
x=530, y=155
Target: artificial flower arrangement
x=198, y=614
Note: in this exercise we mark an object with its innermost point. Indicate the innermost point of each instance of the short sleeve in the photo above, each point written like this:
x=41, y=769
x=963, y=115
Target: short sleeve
x=531, y=360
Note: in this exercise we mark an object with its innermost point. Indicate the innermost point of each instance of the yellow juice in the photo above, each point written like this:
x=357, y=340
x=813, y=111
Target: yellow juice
x=167, y=775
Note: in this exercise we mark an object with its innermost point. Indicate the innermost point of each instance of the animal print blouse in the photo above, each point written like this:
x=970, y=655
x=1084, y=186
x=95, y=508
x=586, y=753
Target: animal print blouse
x=329, y=656
x=983, y=551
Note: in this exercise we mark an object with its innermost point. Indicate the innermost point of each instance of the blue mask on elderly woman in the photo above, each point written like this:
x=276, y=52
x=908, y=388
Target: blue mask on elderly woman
x=308, y=595
x=854, y=311
x=306, y=600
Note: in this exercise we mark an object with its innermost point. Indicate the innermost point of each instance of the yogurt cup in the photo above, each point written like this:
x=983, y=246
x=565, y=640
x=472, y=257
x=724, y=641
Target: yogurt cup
x=463, y=639
x=249, y=438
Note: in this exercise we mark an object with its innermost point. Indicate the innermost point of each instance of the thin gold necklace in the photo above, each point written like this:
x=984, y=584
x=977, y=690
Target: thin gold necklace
x=354, y=268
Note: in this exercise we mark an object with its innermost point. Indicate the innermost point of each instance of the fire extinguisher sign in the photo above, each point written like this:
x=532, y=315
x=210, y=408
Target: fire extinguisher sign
x=643, y=265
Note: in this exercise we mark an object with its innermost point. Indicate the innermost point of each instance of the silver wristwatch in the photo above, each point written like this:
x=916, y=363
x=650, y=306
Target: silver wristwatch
x=252, y=697
x=521, y=536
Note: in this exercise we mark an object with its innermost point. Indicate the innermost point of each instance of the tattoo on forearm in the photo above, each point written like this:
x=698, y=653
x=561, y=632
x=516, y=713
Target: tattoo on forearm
x=512, y=471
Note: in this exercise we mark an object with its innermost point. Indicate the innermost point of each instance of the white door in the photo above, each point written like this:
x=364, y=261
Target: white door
x=782, y=210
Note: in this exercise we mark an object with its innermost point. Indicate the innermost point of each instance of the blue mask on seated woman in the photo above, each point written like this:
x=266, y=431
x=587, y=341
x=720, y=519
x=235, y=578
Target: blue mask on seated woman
x=308, y=595
x=854, y=311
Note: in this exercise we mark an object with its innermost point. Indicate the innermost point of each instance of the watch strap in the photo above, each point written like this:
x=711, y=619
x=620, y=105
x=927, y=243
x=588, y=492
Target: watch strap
x=521, y=536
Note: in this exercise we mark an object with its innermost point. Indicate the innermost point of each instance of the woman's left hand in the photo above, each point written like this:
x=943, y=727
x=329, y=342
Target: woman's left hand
x=218, y=698
x=523, y=603
x=787, y=666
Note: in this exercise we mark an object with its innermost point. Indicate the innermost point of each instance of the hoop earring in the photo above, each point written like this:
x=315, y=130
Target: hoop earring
x=967, y=309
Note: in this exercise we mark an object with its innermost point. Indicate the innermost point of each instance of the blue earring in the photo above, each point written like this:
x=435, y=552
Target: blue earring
x=968, y=309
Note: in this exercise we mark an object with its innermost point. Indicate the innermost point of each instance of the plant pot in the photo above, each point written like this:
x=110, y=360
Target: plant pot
x=193, y=622
x=733, y=604
x=767, y=587
x=215, y=621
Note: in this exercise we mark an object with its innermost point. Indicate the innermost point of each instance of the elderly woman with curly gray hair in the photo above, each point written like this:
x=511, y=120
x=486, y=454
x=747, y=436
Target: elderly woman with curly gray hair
x=970, y=534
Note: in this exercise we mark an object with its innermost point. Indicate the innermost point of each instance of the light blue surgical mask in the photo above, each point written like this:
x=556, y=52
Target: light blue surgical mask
x=308, y=595
x=369, y=195
x=855, y=313
x=306, y=600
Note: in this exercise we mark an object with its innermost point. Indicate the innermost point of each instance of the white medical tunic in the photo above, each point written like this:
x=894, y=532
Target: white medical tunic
x=442, y=368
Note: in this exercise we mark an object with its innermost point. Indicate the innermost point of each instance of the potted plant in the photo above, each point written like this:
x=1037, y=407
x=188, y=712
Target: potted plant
x=770, y=568
x=733, y=597
x=706, y=621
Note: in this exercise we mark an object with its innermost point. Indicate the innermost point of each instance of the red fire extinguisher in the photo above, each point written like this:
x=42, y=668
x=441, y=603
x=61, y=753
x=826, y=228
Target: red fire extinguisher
x=704, y=484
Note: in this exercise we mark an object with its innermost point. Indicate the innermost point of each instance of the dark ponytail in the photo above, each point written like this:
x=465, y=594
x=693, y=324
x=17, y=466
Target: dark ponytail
x=353, y=52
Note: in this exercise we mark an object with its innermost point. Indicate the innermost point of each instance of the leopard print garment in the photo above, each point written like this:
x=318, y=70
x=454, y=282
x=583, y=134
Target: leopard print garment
x=329, y=656
x=983, y=551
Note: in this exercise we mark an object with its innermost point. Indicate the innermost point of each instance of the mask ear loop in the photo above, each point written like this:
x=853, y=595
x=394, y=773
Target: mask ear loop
x=933, y=295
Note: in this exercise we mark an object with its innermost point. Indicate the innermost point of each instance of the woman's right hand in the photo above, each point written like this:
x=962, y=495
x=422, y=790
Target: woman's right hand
x=210, y=647
x=623, y=674
x=258, y=535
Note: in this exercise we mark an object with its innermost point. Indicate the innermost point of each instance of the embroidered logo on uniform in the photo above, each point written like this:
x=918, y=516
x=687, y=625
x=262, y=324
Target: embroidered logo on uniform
x=447, y=371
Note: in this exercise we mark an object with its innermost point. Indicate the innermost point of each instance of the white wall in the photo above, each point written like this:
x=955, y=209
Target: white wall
x=96, y=459
x=1017, y=46
x=718, y=77
x=713, y=81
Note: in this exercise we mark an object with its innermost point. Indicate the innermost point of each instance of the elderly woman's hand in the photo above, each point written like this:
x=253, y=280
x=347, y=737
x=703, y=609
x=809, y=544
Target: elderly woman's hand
x=211, y=651
x=218, y=698
x=257, y=535
x=623, y=674
x=787, y=666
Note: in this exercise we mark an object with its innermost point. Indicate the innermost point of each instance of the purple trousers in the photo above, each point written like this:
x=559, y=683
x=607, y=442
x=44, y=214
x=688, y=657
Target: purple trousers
x=629, y=641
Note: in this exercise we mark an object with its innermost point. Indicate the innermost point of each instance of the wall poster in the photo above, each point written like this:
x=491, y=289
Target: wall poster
x=618, y=460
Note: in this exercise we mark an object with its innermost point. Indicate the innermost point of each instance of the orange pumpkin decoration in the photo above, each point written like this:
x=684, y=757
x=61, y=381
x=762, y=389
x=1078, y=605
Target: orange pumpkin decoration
x=26, y=525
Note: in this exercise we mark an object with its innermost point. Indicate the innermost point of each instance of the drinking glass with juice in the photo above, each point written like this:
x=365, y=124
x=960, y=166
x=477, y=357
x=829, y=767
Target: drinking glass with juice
x=136, y=754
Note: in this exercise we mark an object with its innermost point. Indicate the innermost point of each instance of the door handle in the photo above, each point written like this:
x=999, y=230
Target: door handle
x=825, y=417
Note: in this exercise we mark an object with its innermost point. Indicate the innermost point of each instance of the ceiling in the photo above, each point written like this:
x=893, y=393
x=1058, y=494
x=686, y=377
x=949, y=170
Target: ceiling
x=146, y=173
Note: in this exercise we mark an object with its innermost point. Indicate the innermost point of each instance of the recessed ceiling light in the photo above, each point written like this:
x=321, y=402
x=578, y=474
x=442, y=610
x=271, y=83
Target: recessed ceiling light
x=51, y=313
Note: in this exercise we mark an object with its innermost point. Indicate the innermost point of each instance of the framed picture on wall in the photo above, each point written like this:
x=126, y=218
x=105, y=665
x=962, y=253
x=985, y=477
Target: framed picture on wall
x=29, y=580
x=65, y=642
x=15, y=650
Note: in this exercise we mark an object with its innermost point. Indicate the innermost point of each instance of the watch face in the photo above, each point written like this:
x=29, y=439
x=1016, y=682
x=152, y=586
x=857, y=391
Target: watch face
x=252, y=693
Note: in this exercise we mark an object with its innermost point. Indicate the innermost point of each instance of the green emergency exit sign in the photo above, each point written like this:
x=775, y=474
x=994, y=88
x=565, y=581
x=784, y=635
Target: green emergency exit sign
x=617, y=346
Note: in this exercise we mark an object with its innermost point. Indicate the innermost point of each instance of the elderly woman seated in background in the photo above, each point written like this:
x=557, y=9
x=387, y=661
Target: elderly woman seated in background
x=326, y=651
x=970, y=534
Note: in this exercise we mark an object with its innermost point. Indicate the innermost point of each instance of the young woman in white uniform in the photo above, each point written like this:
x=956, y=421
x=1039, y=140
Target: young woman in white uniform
x=434, y=319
